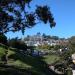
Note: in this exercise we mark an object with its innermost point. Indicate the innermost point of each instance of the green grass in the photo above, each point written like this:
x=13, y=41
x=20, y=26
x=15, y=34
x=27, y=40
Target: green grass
x=10, y=52
x=34, y=65
x=2, y=51
x=16, y=59
x=50, y=59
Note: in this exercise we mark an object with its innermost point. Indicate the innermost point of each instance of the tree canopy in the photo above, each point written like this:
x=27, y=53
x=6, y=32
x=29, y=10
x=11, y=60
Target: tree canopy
x=3, y=39
x=17, y=43
x=15, y=17
x=72, y=44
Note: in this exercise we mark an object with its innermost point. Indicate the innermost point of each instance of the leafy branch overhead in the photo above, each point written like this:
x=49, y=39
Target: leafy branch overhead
x=15, y=17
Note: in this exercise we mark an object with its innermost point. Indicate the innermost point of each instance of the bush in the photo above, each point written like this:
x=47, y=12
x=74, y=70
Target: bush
x=3, y=39
x=16, y=43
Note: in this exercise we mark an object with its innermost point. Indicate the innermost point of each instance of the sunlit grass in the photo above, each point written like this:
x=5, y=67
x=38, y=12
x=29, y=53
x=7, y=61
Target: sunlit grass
x=2, y=51
x=29, y=63
x=50, y=59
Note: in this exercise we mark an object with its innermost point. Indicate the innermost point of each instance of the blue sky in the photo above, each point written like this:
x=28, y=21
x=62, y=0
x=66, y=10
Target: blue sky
x=64, y=14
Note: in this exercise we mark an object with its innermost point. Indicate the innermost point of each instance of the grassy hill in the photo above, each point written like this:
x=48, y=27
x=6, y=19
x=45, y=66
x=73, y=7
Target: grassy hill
x=22, y=64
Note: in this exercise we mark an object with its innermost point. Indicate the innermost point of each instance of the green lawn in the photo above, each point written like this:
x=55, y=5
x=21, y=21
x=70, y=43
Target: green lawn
x=2, y=51
x=50, y=59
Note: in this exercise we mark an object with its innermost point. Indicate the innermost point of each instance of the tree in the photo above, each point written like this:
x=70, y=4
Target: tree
x=57, y=47
x=17, y=43
x=13, y=42
x=72, y=44
x=45, y=46
x=15, y=17
x=3, y=39
x=44, y=35
x=72, y=40
x=55, y=37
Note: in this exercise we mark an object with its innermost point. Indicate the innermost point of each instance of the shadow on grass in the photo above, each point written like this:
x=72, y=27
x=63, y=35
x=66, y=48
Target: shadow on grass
x=12, y=70
x=38, y=66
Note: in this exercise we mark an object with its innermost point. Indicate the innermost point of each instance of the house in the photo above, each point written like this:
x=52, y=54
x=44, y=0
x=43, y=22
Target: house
x=38, y=39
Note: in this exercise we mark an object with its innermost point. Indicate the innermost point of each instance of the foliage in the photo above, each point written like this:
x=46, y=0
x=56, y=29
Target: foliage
x=17, y=43
x=15, y=17
x=69, y=72
x=56, y=47
x=72, y=40
x=72, y=43
x=50, y=59
x=2, y=51
x=43, y=46
x=55, y=37
x=65, y=55
x=3, y=39
x=51, y=47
